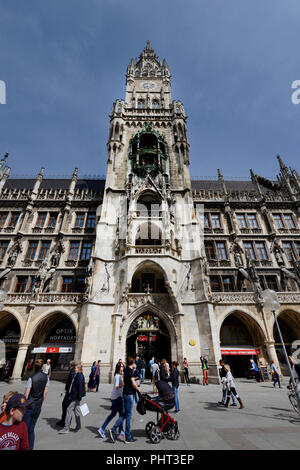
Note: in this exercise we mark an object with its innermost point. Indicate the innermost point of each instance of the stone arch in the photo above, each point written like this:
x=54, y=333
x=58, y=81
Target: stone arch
x=43, y=333
x=289, y=324
x=10, y=337
x=17, y=316
x=161, y=315
x=241, y=338
x=45, y=316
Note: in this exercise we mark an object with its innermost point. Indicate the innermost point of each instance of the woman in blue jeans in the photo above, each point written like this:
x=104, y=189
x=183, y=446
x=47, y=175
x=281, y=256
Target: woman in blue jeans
x=117, y=405
x=174, y=378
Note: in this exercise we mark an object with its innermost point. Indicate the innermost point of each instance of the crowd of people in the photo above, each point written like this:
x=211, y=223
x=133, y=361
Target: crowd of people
x=20, y=412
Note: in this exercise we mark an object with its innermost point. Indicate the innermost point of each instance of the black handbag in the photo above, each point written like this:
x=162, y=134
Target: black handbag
x=140, y=407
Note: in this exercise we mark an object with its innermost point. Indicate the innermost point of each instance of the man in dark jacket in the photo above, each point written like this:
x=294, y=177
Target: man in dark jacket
x=66, y=400
x=76, y=393
x=35, y=392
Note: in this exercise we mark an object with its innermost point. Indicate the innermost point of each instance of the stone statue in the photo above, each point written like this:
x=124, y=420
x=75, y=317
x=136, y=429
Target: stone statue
x=12, y=258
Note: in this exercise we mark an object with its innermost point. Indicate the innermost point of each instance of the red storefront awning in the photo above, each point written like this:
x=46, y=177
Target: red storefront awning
x=239, y=351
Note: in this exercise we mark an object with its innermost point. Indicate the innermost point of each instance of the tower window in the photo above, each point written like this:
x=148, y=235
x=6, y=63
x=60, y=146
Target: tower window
x=141, y=104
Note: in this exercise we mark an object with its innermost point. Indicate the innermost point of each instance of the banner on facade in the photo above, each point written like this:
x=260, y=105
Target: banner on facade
x=240, y=352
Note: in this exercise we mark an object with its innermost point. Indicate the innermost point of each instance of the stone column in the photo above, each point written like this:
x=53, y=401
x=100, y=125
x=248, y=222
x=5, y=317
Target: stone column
x=270, y=345
x=18, y=367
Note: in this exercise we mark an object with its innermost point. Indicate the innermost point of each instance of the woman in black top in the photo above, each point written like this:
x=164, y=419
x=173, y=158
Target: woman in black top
x=174, y=379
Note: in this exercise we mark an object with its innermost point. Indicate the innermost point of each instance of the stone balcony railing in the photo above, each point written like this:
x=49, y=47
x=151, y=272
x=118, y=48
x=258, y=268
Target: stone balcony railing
x=149, y=249
x=49, y=298
x=241, y=298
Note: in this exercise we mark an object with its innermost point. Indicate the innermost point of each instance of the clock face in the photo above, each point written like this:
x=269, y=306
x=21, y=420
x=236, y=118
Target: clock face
x=147, y=86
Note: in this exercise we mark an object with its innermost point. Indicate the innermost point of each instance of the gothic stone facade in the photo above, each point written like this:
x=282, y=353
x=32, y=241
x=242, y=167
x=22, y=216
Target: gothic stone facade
x=148, y=240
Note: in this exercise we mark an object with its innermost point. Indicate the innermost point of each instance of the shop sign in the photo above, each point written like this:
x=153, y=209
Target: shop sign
x=51, y=350
x=11, y=337
x=152, y=338
x=240, y=352
x=142, y=338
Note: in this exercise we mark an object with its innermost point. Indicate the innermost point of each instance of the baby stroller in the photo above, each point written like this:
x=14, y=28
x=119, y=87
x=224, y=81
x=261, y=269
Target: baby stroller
x=165, y=425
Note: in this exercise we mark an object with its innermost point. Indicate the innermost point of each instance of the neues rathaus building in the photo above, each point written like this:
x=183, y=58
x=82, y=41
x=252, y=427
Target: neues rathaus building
x=147, y=260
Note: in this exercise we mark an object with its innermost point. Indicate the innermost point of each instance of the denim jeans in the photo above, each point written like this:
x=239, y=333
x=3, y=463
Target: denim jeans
x=30, y=418
x=117, y=407
x=128, y=406
x=175, y=390
x=142, y=375
x=224, y=394
x=119, y=422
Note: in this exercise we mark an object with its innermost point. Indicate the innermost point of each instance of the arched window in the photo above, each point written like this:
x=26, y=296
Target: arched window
x=155, y=104
x=141, y=104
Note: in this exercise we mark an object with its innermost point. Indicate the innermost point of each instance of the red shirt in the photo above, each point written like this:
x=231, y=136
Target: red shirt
x=14, y=437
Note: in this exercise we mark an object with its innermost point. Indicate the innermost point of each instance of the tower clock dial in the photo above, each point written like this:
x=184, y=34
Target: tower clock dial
x=148, y=86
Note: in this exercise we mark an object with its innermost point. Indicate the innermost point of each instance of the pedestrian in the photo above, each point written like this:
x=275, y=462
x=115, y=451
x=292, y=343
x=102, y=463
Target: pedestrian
x=151, y=362
x=223, y=373
x=174, y=379
x=129, y=389
x=185, y=366
x=275, y=375
x=4, y=403
x=231, y=387
x=164, y=370
x=13, y=431
x=117, y=406
x=155, y=374
x=205, y=369
x=66, y=401
x=92, y=378
x=36, y=391
x=47, y=368
x=138, y=363
x=255, y=370
x=97, y=375
x=143, y=369
x=76, y=393
x=136, y=377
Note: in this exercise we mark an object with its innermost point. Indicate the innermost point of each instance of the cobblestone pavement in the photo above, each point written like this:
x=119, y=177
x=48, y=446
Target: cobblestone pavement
x=266, y=422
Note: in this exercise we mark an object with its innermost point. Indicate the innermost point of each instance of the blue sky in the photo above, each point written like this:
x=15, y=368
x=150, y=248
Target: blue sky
x=232, y=64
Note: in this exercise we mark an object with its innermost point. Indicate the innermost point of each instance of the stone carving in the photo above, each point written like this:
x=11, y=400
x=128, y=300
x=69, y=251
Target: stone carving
x=14, y=251
x=254, y=278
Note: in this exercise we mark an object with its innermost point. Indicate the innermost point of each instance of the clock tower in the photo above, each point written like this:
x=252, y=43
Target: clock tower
x=148, y=291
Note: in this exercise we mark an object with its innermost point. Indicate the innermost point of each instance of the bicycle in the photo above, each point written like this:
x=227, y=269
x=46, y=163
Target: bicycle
x=293, y=397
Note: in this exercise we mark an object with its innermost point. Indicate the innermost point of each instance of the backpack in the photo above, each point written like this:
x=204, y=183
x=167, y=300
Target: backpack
x=156, y=374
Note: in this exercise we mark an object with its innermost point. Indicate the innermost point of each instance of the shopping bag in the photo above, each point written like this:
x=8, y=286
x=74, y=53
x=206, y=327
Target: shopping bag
x=84, y=409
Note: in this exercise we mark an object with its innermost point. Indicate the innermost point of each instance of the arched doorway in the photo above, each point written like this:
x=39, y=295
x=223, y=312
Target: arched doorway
x=9, y=343
x=149, y=277
x=240, y=341
x=53, y=339
x=289, y=324
x=148, y=337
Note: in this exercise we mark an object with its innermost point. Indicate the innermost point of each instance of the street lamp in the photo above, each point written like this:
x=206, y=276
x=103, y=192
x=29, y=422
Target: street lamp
x=271, y=303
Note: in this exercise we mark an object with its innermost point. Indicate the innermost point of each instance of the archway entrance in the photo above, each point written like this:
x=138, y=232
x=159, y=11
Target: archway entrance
x=9, y=341
x=148, y=337
x=241, y=340
x=289, y=324
x=54, y=339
